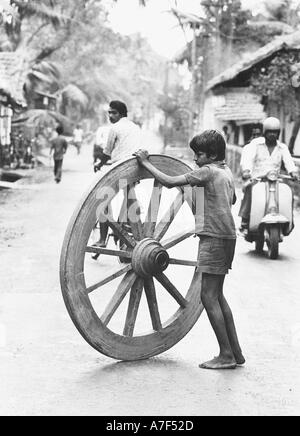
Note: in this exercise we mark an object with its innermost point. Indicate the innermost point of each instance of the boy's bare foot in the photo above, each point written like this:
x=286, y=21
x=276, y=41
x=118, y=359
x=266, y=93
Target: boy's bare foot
x=219, y=363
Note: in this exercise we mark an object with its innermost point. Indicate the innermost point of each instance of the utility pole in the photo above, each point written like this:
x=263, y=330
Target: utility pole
x=193, y=82
x=204, y=78
x=166, y=93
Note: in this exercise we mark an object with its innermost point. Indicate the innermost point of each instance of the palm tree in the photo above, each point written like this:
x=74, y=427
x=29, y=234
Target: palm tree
x=35, y=30
x=279, y=17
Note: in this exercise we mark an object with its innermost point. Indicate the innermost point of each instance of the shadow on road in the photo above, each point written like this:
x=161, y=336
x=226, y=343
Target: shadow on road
x=264, y=256
x=153, y=363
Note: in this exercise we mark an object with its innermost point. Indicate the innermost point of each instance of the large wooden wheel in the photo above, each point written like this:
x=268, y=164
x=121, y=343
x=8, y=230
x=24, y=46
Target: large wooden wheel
x=133, y=289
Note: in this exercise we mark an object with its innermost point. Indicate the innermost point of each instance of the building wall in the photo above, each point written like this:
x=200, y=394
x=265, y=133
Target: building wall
x=211, y=122
x=209, y=119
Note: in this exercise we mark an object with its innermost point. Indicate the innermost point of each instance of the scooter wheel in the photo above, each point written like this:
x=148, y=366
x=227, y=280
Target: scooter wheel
x=273, y=242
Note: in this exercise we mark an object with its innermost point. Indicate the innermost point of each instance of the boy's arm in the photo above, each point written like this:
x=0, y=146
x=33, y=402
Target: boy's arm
x=164, y=179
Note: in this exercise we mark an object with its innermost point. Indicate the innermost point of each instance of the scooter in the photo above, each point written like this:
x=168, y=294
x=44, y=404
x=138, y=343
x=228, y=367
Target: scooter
x=271, y=216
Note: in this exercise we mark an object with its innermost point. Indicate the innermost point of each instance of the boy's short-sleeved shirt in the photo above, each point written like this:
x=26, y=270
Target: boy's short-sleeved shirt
x=213, y=206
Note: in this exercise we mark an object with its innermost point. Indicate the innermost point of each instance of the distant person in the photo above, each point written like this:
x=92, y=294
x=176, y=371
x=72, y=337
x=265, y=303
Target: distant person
x=260, y=156
x=256, y=133
x=59, y=147
x=123, y=139
x=226, y=133
x=78, y=137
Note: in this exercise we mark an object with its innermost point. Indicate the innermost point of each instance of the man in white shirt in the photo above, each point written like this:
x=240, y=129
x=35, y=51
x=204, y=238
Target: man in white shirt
x=260, y=156
x=124, y=136
x=123, y=139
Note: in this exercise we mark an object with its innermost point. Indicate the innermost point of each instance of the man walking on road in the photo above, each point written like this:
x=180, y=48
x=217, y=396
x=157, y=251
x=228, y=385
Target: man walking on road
x=59, y=146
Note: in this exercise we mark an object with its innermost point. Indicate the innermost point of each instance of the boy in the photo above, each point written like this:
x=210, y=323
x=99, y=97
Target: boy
x=217, y=237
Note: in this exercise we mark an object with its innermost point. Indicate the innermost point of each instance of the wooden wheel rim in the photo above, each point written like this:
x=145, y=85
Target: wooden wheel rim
x=74, y=288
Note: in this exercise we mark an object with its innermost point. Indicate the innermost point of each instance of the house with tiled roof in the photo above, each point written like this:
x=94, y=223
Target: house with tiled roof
x=230, y=101
x=12, y=79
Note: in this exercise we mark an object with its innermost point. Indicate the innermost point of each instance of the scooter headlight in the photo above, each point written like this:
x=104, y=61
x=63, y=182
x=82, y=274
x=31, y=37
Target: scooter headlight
x=272, y=176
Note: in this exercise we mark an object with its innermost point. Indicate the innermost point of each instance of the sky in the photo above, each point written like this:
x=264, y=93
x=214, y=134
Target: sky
x=156, y=24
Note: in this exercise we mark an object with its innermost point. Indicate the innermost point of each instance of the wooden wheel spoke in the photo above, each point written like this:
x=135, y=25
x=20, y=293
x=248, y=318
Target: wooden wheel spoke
x=176, y=239
x=123, y=211
x=171, y=289
x=119, y=230
x=152, y=303
x=152, y=214
x=183, y=262
x=108, y=252
x=134, y=214
x=169, y=216
x=118, y=297
x=133, y=307
x=109, y=278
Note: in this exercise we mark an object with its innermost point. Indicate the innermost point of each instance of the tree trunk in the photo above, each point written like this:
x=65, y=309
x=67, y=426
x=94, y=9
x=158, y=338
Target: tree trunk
x=295, y=131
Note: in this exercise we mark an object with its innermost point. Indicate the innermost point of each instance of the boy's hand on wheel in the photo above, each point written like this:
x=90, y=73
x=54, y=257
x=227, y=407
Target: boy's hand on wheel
x=141, y=155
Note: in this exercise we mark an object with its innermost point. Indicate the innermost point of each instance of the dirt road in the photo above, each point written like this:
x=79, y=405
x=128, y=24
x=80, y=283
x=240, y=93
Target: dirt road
x=46, y=368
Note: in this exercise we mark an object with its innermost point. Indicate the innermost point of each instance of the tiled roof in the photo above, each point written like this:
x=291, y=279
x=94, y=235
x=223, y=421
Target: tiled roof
x=12, y=77
x=239, y=105
x=291, y=41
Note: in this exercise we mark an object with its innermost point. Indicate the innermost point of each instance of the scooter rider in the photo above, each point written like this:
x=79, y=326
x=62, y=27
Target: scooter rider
x=260, y=156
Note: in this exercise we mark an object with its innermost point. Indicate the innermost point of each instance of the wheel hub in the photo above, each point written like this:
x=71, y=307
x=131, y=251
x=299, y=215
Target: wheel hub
x=149, y=258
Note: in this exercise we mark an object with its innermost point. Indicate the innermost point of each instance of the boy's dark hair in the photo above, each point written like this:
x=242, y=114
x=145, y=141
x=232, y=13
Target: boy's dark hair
x=210, y=142
x=119, y=106
x=60, y=129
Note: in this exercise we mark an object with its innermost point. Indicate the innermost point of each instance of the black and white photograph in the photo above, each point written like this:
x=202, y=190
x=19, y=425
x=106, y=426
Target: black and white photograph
x=149, y=210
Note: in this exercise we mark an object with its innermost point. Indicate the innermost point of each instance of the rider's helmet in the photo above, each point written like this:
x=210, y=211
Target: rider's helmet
x=271, y=123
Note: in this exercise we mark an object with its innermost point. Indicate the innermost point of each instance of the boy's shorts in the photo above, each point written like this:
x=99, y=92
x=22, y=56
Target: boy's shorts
x=215, y=255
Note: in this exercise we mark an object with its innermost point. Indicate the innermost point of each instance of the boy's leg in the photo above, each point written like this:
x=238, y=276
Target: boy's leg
x=231, y=330
x=211, y=289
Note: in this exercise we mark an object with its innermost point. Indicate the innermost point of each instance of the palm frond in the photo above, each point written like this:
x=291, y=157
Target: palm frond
x=48, y=68
x=141, y=2
x=71, y=93
x=39, y=9
x=34, y=74
x=41, y=117
x=271, y=26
